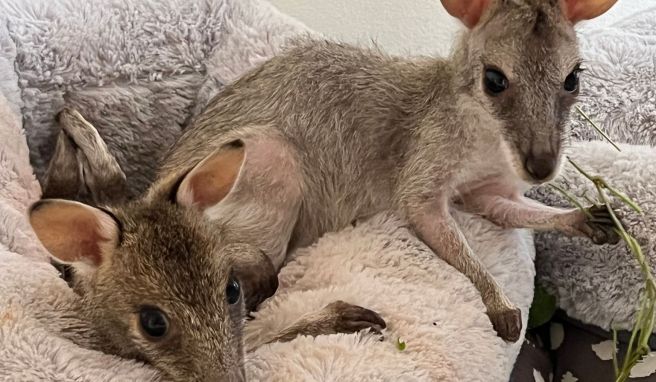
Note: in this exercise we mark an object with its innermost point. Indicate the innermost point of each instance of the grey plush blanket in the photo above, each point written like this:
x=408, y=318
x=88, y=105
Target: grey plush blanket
x=138, y=70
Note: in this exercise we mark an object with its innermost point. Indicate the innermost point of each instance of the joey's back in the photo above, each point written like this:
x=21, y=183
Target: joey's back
x=346, y=114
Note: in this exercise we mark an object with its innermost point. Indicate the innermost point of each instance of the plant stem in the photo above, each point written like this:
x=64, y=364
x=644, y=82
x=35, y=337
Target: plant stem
x=596, y=127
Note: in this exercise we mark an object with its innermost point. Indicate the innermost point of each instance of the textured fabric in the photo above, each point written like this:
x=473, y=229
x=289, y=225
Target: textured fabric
x=18, y=187
x=618, y=85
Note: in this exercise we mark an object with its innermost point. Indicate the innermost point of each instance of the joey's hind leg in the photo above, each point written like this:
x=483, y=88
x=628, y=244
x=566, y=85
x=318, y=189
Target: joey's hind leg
x=441, y=233
x=336, y=317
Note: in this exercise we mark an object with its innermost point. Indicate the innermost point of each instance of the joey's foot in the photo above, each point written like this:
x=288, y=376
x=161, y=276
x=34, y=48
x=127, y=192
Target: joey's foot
x=599, y=227
x=336, y=317
x=349, y=318
x=507, y=323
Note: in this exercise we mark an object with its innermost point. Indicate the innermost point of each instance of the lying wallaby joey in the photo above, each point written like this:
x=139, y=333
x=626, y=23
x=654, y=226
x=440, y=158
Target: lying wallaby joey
x=159, y=282
x=326, y=133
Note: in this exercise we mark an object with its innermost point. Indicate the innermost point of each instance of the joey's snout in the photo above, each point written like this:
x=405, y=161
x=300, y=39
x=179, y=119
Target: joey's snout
x=541, y=167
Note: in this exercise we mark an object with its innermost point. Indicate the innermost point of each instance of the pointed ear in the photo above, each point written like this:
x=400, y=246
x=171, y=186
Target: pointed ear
x=468, y=11
x=74, y=232
x=213, y=178
x=578, y=10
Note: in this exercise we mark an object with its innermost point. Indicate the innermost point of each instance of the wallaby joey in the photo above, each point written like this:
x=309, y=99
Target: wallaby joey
x=158, y=281
x=325, y=133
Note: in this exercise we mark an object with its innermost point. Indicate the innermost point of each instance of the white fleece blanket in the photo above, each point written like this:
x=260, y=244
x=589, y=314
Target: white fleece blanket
x=436, y=311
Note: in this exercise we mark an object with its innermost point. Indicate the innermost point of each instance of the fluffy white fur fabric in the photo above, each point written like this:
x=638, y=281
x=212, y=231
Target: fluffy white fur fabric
x=379, y=264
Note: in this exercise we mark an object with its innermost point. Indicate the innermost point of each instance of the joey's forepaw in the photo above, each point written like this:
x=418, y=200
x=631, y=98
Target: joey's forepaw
x=507, y=323
x=349, y=318
x=599, y=226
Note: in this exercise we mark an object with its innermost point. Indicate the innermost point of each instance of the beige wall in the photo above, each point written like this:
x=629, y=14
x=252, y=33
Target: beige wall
x=399, y=26
x=403, y=26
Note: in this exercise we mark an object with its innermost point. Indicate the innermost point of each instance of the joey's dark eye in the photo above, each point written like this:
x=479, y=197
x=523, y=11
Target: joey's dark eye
x=233, y=291
x=571, y=83
x=153, y=322
x=495, y=81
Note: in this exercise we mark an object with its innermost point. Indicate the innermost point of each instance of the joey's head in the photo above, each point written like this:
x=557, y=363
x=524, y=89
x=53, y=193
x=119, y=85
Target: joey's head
x=159, y=282
x=519, y=60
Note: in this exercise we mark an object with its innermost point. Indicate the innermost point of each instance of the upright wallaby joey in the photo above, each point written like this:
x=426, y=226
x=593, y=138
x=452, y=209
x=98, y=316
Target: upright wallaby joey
x=159, y=282
x=326, y=133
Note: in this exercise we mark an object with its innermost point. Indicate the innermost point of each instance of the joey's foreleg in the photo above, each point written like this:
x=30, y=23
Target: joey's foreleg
x=521, y=212
x=440, y=232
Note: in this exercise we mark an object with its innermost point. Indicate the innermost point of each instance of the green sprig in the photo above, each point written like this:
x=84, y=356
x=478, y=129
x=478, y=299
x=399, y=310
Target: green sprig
x=596, y=127
x=400, y=344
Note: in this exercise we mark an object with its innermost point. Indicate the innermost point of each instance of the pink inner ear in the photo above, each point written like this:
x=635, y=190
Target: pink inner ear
x=212, y=180
x=468, y=11
x=88, y=244
x=572, y=10
x=72, y=231
x=578, y=10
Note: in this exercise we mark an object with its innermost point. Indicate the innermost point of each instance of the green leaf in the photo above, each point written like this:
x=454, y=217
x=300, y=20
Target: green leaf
x=542, y=309
x=400, y=344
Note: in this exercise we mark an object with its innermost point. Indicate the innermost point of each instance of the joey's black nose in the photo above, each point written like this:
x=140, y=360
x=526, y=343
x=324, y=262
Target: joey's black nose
x=540, y=167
